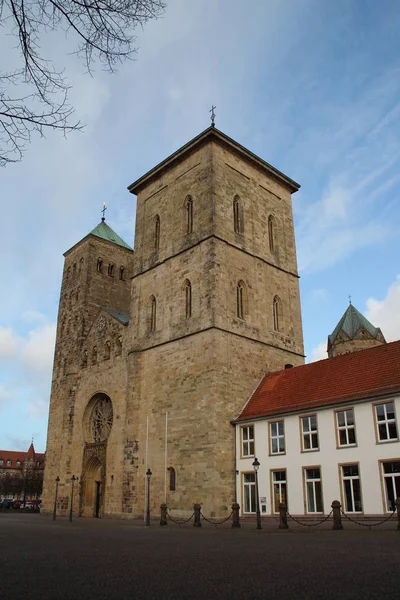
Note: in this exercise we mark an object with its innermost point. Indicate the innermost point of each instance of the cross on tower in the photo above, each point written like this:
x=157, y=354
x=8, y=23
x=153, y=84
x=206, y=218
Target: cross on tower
x=212, y=116
x=104, y=211
x=349, y=299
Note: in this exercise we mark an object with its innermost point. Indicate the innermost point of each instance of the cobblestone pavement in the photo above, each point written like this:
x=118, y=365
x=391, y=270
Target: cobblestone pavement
x=114, y=559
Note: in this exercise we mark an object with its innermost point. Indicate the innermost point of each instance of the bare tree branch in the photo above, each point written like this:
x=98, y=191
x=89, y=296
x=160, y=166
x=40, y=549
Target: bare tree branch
x=104, y=30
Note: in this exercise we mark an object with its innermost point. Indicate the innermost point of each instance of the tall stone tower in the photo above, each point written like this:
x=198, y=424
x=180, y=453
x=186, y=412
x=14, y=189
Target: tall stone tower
x=215, y=305
x=353, y=333
x=96, y=278
x=158, y=351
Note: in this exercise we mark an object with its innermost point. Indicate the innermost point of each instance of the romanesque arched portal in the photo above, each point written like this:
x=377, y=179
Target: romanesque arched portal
x=97, y=426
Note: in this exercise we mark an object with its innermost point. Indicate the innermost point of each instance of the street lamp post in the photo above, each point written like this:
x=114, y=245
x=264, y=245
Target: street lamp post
x=55, y=498
x=148, y=475
x=73, y=479
x=256, y=466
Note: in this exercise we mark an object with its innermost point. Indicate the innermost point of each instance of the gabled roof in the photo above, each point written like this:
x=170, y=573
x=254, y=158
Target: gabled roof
x=350, y=323
x=216, y=135
x=103, y=232
x=123, y=318
x=361, y=375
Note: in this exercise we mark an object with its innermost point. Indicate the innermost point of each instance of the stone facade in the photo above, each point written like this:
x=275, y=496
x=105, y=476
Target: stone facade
x=213, y=305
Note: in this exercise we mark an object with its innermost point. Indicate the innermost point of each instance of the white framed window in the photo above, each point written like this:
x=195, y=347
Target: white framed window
x=277, y=437
x=386, y=422
x=279, y=489
x=346, y=429
x=247, y=434
x=249, y=493
x=313, y=489
x=351, y=488
x=309, y=433
x=391, y=478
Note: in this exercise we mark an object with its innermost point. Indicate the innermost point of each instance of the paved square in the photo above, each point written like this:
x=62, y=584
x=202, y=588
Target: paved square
x=110, y=559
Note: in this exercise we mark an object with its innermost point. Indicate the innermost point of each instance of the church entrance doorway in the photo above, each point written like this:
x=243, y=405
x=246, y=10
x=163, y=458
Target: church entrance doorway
x=92, y=501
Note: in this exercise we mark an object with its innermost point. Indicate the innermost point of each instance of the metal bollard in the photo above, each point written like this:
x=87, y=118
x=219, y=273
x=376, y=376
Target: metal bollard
x=235, y=515
x=163, y=519
x=337, y=515
x=398, y=513
x=197, y=509
x=283, y=524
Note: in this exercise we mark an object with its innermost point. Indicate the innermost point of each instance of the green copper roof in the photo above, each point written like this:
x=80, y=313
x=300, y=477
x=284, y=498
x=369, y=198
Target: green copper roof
x=121, y=317
x=104, y=232
x=351, y=322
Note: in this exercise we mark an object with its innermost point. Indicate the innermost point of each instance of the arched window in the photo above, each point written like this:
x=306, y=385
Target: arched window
x=153, y=313
x=118, y=345
x=156, y=232
x=94, y=355
x=240, y=300
x=271, y=233
x=74, y=271
x=107, y=350
x=237, y=215
x=189, y=215
x=111, y=270
x=277, y=312
x=84, y=358
x=188, y=299
x=99, y=265
x=122, y=273
x=80, y=265
x=172, y=479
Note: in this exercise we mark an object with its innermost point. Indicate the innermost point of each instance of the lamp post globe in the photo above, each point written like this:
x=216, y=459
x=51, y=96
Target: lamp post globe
x=256, y=466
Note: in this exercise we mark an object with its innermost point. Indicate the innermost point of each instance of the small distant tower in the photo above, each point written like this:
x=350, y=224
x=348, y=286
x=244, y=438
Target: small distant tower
x=353, y=333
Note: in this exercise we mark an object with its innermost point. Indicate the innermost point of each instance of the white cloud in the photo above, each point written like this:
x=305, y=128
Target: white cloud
x=9, y=343
x=385, y=313
x=38, y=350
x=319, y=352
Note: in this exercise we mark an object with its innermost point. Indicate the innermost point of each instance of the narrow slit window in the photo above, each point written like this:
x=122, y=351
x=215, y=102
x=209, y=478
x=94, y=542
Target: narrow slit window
x=111, y=270
x=271, y=233
x=99, y=265
x=172, y=479
x=122, y=273
x=189, y=215
x=153, y=313
x=156, y=232
x=277, y=313
x=240, y=300
x=237, y=224
x=188, y=299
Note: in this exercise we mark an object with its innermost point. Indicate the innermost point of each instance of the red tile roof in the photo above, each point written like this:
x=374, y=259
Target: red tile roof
x=14, y=456
x=364, y=374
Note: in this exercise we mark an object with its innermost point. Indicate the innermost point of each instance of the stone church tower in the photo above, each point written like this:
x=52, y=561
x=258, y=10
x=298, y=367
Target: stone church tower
x=214, y=305
x=353, y=333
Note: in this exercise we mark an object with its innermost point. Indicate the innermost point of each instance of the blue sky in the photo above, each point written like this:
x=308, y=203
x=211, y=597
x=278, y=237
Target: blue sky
x=312, y=87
